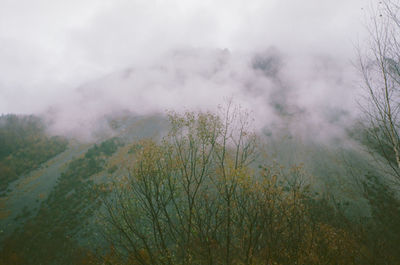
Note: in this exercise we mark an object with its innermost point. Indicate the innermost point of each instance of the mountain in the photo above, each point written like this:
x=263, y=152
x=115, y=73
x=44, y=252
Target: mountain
x=48, y=201
x=53, y=187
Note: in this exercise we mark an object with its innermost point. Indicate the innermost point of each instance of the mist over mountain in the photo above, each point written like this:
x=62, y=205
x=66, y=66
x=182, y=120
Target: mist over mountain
x=50, y=49
x=78, y=61
x=199, y=132
x=278, y=91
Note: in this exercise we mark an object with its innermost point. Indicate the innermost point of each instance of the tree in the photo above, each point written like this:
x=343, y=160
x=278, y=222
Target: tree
x=196, y=197
x=184, y=184
x=380, y=69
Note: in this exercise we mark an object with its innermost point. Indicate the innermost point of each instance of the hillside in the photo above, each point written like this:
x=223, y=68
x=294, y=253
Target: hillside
x=24, y=146
x=47, y=206
x=51, y=210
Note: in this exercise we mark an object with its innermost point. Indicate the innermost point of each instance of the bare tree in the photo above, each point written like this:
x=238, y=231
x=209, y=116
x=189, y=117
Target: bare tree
x=181, y=191
x=196, y=197
x=380, y=67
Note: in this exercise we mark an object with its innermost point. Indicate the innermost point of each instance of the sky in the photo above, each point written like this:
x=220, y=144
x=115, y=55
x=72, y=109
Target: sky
x=81, y=59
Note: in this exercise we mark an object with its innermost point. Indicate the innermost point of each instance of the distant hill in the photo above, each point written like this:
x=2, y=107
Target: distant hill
x=51, y=186
x=24, y=145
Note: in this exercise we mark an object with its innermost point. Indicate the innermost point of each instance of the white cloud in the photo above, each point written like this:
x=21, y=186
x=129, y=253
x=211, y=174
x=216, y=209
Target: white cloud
x=49, y=48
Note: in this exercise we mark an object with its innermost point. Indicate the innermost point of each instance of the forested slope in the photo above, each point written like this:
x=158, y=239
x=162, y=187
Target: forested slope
x=24, y=145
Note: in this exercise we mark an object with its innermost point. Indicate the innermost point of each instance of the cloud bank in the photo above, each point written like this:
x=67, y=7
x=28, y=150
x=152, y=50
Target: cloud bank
x=83, y=59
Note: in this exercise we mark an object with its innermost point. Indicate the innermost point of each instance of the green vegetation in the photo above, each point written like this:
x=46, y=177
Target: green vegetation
x=208, y=193
x=203, y=194
x=51, y=237
x=24, y=145
x=197, y=197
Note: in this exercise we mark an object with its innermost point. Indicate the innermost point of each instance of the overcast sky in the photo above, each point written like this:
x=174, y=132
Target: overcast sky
x=49, y=49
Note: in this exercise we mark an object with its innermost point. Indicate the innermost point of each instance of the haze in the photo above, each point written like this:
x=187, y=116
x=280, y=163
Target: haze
x=79, y=60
